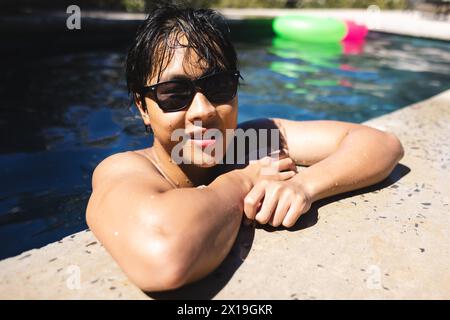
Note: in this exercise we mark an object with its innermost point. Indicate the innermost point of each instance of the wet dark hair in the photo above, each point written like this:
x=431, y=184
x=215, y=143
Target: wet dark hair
x=153, y=47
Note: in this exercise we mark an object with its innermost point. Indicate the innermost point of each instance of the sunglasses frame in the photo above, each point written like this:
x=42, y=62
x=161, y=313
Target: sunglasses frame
x=194, y=85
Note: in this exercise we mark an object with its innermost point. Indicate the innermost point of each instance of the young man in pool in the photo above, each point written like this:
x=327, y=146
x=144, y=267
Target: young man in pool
x=168, y=223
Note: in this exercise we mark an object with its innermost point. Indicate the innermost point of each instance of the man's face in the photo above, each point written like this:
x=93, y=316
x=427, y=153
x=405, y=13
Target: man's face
x=200, y=114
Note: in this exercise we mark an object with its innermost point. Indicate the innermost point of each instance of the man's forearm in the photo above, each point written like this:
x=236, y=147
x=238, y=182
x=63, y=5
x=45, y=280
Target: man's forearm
x=362, y=159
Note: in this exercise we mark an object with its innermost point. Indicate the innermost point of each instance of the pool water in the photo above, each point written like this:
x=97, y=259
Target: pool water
x=61, y=114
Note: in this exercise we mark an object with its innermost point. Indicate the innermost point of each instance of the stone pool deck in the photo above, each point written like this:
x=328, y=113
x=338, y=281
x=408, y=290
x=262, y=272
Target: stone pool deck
x=389, y=241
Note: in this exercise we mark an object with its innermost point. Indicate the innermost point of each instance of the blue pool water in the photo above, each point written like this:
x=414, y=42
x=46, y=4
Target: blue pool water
x=62, y=114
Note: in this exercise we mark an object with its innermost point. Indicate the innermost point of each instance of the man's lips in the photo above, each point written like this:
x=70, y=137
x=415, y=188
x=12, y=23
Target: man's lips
x=203, y=143
x=198, y=137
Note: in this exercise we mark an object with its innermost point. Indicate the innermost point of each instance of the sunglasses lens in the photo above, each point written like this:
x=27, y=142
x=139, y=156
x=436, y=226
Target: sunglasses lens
x=176, y=95
x=173, y=95
x=221, y=87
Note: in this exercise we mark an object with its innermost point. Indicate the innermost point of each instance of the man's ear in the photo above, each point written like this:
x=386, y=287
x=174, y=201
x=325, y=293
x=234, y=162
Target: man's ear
x=141, y=108
x=138, y=102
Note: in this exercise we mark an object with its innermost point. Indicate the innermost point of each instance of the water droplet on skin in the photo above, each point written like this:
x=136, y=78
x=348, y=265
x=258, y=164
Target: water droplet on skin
x=177, y=183
x=116, y=233
x=152, y=197
x=336, y=184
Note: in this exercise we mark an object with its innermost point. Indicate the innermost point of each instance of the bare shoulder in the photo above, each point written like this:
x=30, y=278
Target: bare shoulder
x=272, y=139
x=260, y=123
x=121, y=183
x=121, y=186
x=269, y=124
x=121, y=165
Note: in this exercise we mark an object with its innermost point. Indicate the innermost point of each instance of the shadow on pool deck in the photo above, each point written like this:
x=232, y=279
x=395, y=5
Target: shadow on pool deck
x=207, y=288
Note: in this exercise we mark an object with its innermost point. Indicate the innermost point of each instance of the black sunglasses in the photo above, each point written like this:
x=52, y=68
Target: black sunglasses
x=176, y=95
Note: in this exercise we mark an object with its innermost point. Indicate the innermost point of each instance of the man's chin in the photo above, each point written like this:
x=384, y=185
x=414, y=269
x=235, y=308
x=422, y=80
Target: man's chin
x=205, y=161
x=205, y=158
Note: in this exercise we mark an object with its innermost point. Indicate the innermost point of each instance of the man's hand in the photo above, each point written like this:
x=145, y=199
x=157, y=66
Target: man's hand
x=269, y=168
x=277, y=202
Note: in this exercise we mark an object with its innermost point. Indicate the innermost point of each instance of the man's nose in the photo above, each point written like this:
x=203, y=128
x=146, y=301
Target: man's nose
x=201, y=109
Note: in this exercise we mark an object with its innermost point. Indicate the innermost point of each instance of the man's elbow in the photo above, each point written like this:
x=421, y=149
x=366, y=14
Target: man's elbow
x=395, y=146
x=159, y=271
x=161, y=280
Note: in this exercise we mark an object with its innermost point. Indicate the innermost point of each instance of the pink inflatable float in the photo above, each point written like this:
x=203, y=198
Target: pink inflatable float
x=355, y=32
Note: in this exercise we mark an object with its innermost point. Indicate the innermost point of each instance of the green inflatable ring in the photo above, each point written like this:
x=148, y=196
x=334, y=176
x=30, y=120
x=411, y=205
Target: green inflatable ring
x=309, y=29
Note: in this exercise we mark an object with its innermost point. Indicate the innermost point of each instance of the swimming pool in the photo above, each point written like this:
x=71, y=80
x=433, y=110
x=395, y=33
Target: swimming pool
x=64, y=113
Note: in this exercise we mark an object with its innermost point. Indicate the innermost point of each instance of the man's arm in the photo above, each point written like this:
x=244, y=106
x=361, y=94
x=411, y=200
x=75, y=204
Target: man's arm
x=341, y=156
x=161, y=237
